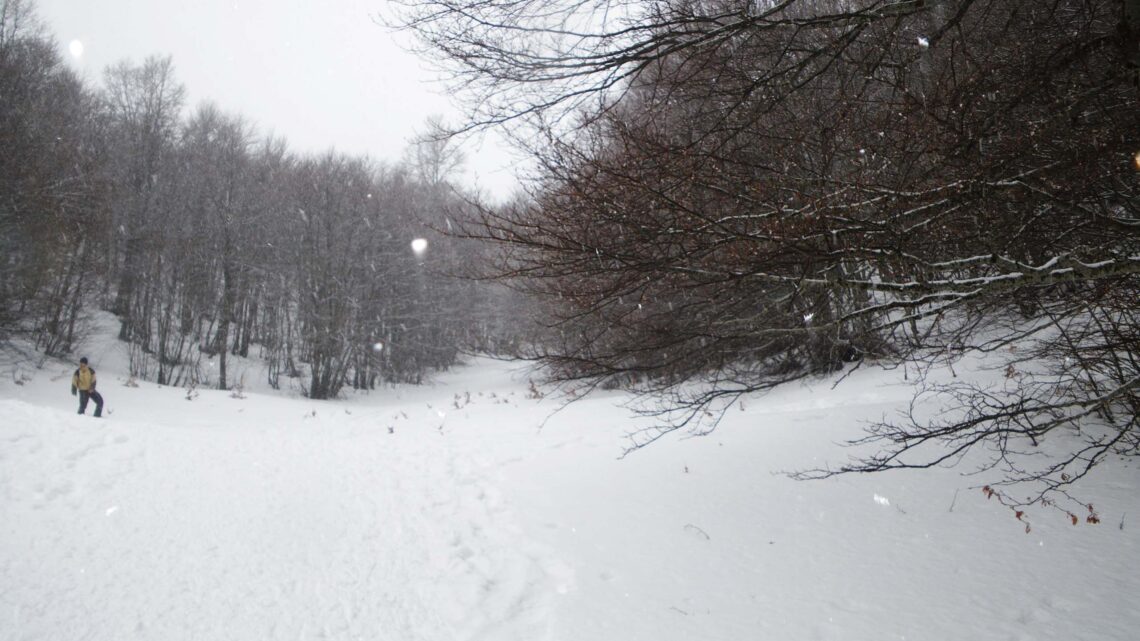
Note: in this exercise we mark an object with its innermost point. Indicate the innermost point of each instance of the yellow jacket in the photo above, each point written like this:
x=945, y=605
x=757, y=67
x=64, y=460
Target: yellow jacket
x=84, y=379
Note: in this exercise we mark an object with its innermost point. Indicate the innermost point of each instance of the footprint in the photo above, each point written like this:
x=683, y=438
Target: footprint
x=63, y=489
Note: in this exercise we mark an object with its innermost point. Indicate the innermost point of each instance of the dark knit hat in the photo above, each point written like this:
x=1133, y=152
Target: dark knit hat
x=83, y=360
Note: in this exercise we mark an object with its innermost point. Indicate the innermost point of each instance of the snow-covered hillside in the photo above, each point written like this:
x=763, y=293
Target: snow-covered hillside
x=468, y=510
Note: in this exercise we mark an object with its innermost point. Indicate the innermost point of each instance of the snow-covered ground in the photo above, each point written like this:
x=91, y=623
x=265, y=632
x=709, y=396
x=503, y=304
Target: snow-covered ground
x=468, y=510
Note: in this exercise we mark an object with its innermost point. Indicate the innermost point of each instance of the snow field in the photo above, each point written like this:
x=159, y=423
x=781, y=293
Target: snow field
x=131, y=529
x=467, y=510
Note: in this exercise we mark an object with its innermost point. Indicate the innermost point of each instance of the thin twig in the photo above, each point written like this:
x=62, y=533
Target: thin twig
x=690, y=526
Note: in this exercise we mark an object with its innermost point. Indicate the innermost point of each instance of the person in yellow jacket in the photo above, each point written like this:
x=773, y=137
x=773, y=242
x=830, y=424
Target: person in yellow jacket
x=83, y=383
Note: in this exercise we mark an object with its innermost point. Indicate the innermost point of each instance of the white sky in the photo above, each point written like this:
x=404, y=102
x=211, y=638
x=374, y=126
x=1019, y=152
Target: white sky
x=320, y=73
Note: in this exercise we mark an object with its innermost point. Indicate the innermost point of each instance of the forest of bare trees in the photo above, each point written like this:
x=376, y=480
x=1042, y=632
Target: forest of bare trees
x=741, y=193
x=207, y=240
x=725, y=196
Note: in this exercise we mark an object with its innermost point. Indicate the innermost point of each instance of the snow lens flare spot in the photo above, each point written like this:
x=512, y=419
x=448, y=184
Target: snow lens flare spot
x=377, y=347
x=419, y=245
x=76, y=49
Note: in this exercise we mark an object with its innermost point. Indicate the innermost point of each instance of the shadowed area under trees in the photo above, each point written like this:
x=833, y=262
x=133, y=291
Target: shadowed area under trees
x=746, y=193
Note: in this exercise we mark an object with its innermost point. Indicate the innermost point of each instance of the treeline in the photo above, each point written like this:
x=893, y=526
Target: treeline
x=744, y=192
x=208, y=240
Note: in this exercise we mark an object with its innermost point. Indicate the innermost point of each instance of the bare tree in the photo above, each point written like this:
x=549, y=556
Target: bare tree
x=50, y=188
x=434, y=154
x=217, y=148
x=745, y=193
x=143, y=103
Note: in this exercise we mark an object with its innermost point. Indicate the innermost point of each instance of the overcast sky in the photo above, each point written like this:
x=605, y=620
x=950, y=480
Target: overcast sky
x=320, y=73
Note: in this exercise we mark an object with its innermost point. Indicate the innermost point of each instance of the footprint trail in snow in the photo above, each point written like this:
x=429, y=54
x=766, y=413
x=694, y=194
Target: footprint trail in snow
x=330, y=528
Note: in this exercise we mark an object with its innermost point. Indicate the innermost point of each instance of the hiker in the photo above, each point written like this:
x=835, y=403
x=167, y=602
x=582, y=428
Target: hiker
x=83, y=383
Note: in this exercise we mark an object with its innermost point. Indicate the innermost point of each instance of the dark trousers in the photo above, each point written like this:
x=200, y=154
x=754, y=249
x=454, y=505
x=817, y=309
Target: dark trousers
x=94, y=396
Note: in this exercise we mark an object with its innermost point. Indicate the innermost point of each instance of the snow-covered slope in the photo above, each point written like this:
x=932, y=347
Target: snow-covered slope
x=469, y=510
